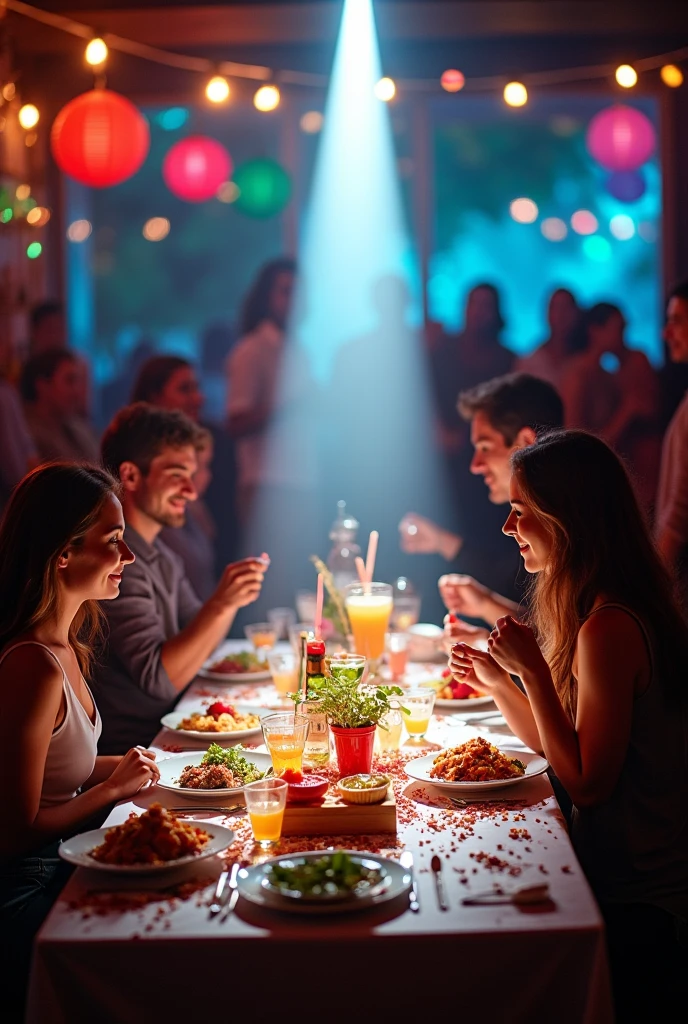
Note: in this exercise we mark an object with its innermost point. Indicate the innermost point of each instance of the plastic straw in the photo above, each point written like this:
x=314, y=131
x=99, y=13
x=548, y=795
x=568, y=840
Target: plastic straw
x=319, y=608
x=360, y=568
x=372, y=552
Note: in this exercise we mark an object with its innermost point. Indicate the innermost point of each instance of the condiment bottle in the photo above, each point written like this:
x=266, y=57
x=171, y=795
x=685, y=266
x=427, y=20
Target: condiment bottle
x=317, y=750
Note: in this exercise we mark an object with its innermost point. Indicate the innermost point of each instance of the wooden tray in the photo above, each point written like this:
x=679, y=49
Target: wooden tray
x=334, y=817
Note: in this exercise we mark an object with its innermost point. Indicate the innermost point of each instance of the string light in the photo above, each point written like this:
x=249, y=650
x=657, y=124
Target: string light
x=671, y=76
x=79, y=230
x=452, y=80
x=554, y=229
x=38, y=217
x=22, y=192
x=156, y=228
x=217, y=90
x=28, y=116
x=515, y=94
x=8, y=91
x=311, y=122
x=626, y=76
x=96, y=52
x=34, y=250
x=584, y=222
x=385, y=89
x=523, y=211
x=267, y=98
x=622, y=227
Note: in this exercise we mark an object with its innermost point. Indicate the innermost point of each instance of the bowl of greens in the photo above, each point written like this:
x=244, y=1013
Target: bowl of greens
x=324, y=878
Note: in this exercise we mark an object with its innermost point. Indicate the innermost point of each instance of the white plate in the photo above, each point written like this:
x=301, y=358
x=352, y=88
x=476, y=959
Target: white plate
x=466, y=704
x=250, y=884
x=419, y=769
x=232, y=677
x=172, y=720
x=77, y=850
x=172, y=767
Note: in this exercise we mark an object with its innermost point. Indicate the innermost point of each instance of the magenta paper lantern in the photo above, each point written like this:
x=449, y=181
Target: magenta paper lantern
x=620, y=138
x=195, y=167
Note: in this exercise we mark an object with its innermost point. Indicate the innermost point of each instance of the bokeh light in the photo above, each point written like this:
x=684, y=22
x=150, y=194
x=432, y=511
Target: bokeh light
x=28, y=116
x=452, y=80
x=523, y=210
x=228, y=192
x=173, y=118
x=96, y=52
x=584, y=222
x=515, y=94
x=622, y=226
x=34, y=250
x=671, y=76
x=156, y=228
x=6, y=215
x=385, y=89
x=23, y=192
x=647, y=231
x=311, y=122
x=554, y=229
x=79, y=230
x=626, y=76
x=217, y=90
x=8, y=91
x=267, y=98
x=597, y=249
x=38, y=217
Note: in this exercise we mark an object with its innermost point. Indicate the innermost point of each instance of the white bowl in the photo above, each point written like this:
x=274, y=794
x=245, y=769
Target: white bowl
x=424, y=641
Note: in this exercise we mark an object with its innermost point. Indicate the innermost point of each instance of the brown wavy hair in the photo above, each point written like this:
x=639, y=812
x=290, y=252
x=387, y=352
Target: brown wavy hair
x=49, y=511
x=579, y=490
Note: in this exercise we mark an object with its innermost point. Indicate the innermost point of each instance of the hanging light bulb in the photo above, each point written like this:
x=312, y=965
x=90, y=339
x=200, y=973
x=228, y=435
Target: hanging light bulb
x=96, y=52
x=385, y=89
x=515, y=94
x=626, y=76
x=267, y=98
x=217, y=90
x=671, y=76
x=29, y=116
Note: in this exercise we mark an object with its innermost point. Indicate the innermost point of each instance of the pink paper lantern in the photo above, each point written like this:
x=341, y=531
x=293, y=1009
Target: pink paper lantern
x=620, y=138
x=195, y=167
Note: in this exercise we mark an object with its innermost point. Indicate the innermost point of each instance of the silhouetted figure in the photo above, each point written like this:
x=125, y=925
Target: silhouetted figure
x=51, y=388
x=567, y=338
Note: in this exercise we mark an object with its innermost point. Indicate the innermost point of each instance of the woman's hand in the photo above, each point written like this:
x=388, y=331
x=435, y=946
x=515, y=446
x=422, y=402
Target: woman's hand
x=514, y=647
x=136, y=769
x=477, y=668
x=457, y=630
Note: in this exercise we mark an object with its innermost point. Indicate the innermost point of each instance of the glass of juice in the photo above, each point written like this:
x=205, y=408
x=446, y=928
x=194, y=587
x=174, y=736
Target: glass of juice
x=284, y=670
x=397, y=654
x=282, y=619
x=285, y=737
x=419, y=704
x=263, y=636
x=369, y=606
x=265, y=801
x=389, y=729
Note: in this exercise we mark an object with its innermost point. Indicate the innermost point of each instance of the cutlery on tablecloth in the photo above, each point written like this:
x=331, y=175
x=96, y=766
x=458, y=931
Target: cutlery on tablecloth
x=406, y=861
x=233, y=889
x=474, y=716
x=436, y=865
x=218, y=903
x=208, y=809
x=526, y=895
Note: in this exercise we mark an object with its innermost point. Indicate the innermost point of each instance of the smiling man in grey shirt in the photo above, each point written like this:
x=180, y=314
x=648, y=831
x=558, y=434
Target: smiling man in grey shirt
x=159, y=632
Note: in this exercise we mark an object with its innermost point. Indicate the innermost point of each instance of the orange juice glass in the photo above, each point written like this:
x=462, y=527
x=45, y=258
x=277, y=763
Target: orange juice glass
x=285, y=737
x=262, y=635
x=369, y=606
x=283, y=668
x=265, y=801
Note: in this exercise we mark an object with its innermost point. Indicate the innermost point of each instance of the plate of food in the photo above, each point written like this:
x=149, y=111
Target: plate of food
x=240, y=667
x=321, y=882
x=217, y=772
x=476, y=766
x=222, y=721
x=455, y=695
x=147, y=843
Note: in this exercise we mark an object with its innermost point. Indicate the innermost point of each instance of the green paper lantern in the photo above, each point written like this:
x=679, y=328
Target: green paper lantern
x=264, y=188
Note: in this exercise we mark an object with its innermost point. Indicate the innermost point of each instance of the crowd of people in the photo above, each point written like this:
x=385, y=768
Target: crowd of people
x=589, y=665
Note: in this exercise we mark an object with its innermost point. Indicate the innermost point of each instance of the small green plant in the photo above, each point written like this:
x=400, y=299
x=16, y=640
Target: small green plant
x=350, y=705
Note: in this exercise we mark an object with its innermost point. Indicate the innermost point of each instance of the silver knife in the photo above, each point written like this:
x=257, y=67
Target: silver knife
x=208, y=809
x=406, y=861
x=217, y=904
x=232, y=887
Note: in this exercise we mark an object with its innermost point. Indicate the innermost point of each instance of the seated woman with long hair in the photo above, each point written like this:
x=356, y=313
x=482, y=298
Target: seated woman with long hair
x=61, y=551
x=605, y=673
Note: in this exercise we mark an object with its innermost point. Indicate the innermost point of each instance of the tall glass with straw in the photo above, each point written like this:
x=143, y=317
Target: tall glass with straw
x=369, y=606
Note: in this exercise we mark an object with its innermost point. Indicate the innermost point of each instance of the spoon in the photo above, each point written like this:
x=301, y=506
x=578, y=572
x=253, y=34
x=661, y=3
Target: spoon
x=436, y=865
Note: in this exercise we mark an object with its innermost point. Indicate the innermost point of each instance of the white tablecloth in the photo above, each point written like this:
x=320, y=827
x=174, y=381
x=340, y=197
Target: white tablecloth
x=166, y=961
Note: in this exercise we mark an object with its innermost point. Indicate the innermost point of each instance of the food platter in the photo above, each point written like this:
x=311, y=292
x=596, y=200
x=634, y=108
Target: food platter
x=77, y=850
x=172, y=767
x=462, y=704
x=419, y=770
x=171, y=721
x=254, y=675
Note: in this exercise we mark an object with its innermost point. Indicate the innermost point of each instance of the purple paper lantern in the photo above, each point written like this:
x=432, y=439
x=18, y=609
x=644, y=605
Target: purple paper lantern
x=620, y=138
x=626, y=186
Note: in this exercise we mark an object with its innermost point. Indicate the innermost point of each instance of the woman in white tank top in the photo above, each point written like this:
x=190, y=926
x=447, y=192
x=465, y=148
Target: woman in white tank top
x=61, y=551
x=606, y=700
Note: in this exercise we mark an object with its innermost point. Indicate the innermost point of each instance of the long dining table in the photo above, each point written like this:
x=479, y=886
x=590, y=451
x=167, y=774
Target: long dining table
x=123, y=949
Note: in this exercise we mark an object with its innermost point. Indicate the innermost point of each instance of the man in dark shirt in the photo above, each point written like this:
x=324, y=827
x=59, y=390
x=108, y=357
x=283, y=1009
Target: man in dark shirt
x=160, y=633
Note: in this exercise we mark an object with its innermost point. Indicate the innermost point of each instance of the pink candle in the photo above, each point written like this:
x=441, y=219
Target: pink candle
x=319, y=607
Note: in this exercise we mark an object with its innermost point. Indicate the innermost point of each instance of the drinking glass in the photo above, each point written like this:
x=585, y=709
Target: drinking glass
x=285, y=737
x=369, y=606
x=263, y=637
x=265, y=801
x=282, y=619
x=346, y=668
x=397, y=651
x=420, y=704
x=284, y=670
x=306, y=604
x=389, y=728
x=405, y=611
x=296, y=630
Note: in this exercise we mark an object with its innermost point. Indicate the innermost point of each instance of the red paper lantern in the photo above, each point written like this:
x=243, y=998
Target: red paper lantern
x=621, y=138
x=195, y=167
x=100, y=138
